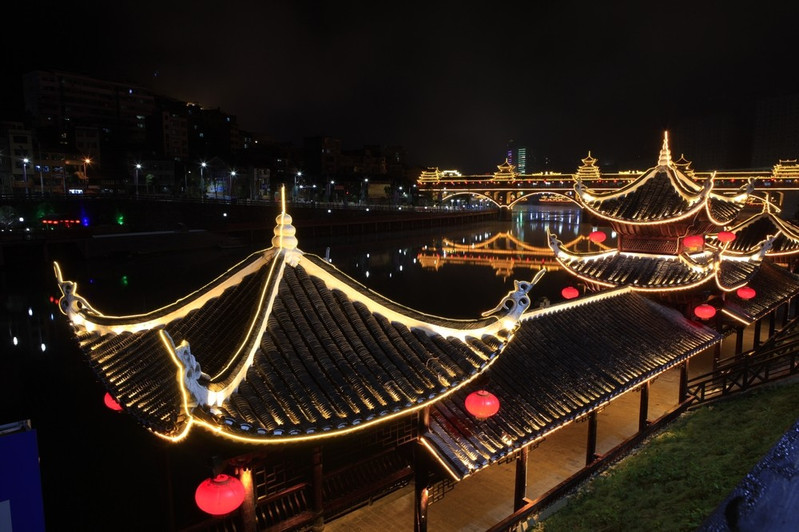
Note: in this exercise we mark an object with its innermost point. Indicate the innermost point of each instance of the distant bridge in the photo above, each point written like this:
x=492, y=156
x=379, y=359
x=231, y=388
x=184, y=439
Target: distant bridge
x=505, y=188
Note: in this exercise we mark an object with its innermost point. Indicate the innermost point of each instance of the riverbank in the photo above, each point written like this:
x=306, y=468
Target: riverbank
x=108, y=227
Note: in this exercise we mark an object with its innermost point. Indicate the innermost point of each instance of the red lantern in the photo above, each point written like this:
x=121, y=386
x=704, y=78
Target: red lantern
x=569, y=292
x=482, y=404
x=111, y=403
x=220, y=495
x=597, y=236
x=705, y=311
x=725, y=236
x=693, y=241
x=746, y=292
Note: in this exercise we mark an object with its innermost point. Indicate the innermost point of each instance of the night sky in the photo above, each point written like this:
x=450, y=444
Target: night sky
x=452, y=82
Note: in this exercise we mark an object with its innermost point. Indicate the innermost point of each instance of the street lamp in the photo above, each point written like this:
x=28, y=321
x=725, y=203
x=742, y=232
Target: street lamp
x=136, y=180
x=202, y=181
x=85, y=175
x=41, y=180
x=25, y=162
x=230, y=184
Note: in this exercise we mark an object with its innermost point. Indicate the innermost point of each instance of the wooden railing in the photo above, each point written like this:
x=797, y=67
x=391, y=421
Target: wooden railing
x=749, y=369
x=361, y=483
x=287, y=510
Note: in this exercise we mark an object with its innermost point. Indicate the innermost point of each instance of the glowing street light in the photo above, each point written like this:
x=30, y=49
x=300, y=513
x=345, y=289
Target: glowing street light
x=230, y=184
x=136, y=179
x=202, y=181
x=41, y=179
x=86, y=162
x=25, y=162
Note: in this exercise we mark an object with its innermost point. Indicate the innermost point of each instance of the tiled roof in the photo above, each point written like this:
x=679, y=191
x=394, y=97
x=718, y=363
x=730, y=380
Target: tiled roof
x=751, y=233
x=554, y=371
x=329, y=363
x=641, y=271
x=281, y=346
x=773, y=285
x=723, y=210
x=655, y=196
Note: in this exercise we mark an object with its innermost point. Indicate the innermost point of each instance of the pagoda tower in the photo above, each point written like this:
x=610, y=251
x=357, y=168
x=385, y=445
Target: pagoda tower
x=666, y=224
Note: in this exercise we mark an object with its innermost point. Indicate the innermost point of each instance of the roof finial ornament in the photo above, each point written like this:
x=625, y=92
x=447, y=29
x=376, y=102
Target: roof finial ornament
x=665, y=154
x=284, y=232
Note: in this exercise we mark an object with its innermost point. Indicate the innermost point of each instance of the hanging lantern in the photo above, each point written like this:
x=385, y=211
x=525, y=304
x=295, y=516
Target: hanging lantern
x=111, y=403
x=693, y=241
x=705, y=311
x=597, y=236
x=725, y=236
x=482, y=404
x=569, y=292
x=746, y=292
x=219, y=495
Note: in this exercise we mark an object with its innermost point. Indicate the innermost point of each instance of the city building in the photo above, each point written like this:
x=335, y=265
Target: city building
x=16, y=146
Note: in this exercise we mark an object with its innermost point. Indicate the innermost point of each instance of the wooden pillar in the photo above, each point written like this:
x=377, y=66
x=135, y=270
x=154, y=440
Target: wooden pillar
x=739, y=341
x=717, y=354
x=643, y=409
x=520, y=489
x=772, y=322
x=421, y=476
x=247, y=509
x=590, y=448
x=683, y=395
x=786, y=312
x=316, y=486
x=756, y=340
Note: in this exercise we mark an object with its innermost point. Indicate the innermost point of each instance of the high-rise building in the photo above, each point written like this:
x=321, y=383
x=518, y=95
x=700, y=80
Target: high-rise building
x=517, y=156
x=63, y=101
x=521, y=160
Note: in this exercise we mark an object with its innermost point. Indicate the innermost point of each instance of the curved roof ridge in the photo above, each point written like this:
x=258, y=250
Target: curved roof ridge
x=393, y=311
x=80, y=311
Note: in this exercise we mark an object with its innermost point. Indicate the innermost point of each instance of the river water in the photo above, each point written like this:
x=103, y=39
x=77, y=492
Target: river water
x=98, y=467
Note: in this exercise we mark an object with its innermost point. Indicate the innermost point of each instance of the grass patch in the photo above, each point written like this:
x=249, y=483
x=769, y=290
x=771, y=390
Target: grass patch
x=679, y=477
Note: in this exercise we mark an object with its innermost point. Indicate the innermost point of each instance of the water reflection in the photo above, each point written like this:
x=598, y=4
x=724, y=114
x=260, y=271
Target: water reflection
x=461, y=272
